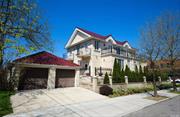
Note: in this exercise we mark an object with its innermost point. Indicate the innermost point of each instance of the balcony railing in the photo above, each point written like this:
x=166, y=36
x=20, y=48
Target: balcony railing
x=121, y=53
x=84, y=52
x=68, y=56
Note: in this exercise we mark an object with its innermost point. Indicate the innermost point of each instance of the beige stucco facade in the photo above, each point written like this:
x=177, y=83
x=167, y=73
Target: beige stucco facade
x=82, y=49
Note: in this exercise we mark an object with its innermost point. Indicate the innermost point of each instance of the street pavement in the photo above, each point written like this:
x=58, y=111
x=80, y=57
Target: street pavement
x=168, y=108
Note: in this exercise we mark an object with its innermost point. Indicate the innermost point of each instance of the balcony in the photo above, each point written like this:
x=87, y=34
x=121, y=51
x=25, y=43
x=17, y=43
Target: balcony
x=122, y=53
x=68, y=56
x=86, y=52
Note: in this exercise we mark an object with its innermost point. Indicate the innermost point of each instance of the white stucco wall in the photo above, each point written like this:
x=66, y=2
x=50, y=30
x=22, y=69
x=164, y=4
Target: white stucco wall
x=95, y=59
x=78, y=38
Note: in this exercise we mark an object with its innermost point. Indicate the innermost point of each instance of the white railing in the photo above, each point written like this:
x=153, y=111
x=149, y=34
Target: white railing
x=84, y=52
x=70, y=56
x=113, y=51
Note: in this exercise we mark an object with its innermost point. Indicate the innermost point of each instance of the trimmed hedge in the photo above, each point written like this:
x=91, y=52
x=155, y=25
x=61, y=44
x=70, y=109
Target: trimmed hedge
x=128, y=91
x=167, y=86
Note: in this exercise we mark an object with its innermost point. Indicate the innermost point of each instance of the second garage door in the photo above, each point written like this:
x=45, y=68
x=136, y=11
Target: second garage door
x=65, y=78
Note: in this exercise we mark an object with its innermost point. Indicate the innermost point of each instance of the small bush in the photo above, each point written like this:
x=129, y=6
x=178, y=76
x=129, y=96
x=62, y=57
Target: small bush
x=128, y=91
x=105, y=90
x=165, y=86
x=106, y=79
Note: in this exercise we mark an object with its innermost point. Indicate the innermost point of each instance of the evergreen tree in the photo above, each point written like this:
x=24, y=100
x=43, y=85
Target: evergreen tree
x=140, y=78
x=136, y=73
x=127, y=70
x=147, y=73
x=122, y=75
x=106, y=78
x=140, y=70
x=115, y=72
x=118, y=72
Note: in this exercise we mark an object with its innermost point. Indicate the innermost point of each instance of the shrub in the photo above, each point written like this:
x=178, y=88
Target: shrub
x=122, y=91
x=165, y=86
x=105, y=90
x=106, y=79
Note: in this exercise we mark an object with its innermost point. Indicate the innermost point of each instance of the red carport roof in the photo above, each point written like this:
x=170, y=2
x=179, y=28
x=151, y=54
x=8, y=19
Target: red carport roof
x=45, y=58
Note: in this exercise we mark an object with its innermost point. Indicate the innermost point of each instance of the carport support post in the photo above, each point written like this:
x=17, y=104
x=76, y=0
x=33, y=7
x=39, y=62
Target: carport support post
x=51, y=78
x=77, y=75
x=16, y=76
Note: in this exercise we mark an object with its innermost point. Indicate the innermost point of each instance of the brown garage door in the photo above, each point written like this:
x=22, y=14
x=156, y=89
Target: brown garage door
x=65, y=78
x=33, y=78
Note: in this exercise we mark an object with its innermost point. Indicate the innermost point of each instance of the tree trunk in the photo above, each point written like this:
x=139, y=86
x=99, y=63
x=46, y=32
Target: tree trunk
x=1, y=55
x=154, y=84
x=172, y=75
x=152, y=65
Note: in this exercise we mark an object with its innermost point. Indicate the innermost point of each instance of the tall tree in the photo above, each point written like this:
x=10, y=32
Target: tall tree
x=106, y=78
x=151, y=47
x=22, y=28
x=169, y=27
x=136, y=73
x=119, y=71
x=116, y=72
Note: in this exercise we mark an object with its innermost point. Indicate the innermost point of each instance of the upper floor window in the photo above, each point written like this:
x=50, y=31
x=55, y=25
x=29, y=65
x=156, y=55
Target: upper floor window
x=96, y=45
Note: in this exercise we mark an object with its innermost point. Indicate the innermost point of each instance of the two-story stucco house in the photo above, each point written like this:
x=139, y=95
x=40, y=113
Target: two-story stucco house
x=95, y=53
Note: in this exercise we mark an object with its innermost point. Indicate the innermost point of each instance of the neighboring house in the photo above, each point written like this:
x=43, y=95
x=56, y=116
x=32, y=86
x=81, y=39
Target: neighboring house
x=44, y=70
x=95, y=53
x=164, y=66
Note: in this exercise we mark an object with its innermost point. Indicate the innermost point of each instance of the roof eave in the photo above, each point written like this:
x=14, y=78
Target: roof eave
x=35, y=65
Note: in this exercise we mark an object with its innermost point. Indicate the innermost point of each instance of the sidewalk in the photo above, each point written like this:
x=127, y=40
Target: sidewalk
x=113, y=107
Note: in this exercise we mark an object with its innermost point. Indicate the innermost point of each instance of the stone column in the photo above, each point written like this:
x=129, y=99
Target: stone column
x=94, y=83
x=8, y=74
x=126, y=79
x=110, y=80
x=92, y=71
x=77, y=75
x=16, y=76
x=51, y=78
x=144, y=77
x=159, y=78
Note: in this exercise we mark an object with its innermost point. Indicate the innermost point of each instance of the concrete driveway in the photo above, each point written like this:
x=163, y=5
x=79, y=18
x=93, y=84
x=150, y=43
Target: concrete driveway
x=101, y=107
x=38, y=99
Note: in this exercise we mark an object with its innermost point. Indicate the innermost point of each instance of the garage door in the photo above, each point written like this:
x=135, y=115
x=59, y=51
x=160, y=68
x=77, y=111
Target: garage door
x=65, y=78
x=33, y=78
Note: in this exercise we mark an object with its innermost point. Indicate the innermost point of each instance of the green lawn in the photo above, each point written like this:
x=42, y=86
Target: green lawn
x=177, y=92
x=5, y=104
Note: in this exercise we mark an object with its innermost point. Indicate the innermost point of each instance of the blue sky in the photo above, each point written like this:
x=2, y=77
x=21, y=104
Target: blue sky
x=121, y=18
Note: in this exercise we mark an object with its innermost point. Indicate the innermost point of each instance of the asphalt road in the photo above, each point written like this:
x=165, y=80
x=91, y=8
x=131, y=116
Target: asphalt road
x=168, y=108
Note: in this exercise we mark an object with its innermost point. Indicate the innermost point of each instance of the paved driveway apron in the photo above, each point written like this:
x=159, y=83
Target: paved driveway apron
x=105, y=107
x=37, y=99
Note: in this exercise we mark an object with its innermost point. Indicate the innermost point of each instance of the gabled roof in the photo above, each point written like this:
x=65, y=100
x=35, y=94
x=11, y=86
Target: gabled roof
x=93, y=34
x=120, y=43
x=45, y=58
